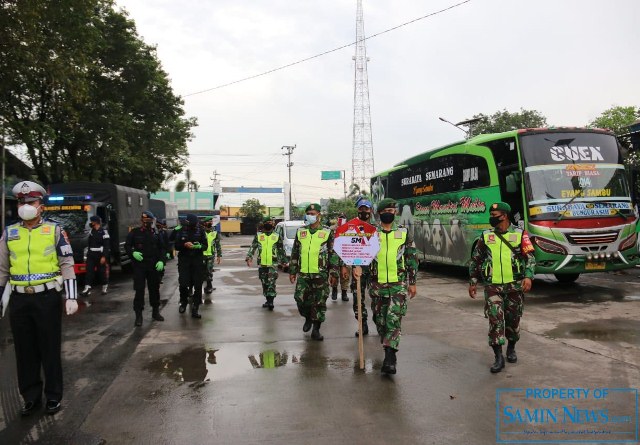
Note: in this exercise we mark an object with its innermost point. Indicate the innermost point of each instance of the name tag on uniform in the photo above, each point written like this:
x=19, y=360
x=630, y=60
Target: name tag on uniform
x=321, y=234
x=45, y=230
x=513, y=238
x=491, y=239
x=13, y=234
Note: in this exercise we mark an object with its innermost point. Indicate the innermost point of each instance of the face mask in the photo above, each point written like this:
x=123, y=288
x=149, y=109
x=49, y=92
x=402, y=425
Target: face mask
x=27, y=212
x=494, y=221
x=310, y=219
x=387, y=218
x=268, y=227
x=364, y=216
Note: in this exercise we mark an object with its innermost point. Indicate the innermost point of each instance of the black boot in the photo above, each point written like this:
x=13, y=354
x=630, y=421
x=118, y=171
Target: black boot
x=138, y=321
x=315, y=334
x=389, y=363
x=511, y=352
x=498, y=365
x=182, y=307
x=155, y=314
x=307, y=324
x=194, y=311
x=345, y=297
x=209, y=288
x=365, y=328
x=265, y=304
x=334, y=293
x=270, y=303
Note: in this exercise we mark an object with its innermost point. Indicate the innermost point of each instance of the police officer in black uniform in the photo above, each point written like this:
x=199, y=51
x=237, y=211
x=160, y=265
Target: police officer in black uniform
x=146, y=248
x=98, y=248
x=161, y=225
x=191, y=242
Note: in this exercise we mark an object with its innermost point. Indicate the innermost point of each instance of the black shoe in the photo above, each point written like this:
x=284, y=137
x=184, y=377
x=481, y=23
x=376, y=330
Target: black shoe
x=498, y=365
x=194, y=313
x=345, y=297
x=511, y=353
x=271, y=306
x=138, y=321
x=334, y=293
x=265, y=304
x=182, y=308
x=389, y=363
x=53, y=406
x=156, y=315
x=29, y=407
x=315, y=334
x=307, y=325
x=209, y=288
x=365, y=329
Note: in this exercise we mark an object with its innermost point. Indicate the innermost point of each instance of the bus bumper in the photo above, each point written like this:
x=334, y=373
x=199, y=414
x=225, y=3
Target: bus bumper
x=578, y=264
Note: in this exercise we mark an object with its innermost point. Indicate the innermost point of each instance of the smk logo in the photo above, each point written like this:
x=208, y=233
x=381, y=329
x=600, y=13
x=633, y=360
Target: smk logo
x=576, y=153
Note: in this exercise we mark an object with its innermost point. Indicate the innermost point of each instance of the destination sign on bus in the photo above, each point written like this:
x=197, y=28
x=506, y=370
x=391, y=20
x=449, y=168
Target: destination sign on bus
x=62, y=208
x=582, y=208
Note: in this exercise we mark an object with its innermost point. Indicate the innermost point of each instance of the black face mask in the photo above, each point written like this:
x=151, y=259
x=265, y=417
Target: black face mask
x=387, y=218
x=494, y=221
x=364, y=216
x=268, y=227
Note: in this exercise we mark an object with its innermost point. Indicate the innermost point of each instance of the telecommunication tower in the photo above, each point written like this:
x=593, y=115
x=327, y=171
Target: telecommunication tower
x=362, y=152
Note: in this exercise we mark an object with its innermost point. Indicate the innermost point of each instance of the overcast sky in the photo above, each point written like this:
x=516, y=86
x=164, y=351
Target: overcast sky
x=568, y=59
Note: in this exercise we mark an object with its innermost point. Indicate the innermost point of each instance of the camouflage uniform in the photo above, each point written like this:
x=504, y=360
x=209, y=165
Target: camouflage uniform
x=268, y=274
x=214, y=248
x=503, y=301
x=365, y=280
x=312, y=289
x=389, y=300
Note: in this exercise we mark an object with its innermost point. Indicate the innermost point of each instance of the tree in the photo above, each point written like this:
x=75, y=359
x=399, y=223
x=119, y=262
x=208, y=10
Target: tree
x=505, y=121
x=616, y=119
x=338, y=206
x=86, y=97
x=252, y=209
x=192, y=186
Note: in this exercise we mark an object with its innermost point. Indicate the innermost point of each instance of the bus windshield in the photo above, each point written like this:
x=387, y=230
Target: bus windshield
x=74, y=222
x=574, y=175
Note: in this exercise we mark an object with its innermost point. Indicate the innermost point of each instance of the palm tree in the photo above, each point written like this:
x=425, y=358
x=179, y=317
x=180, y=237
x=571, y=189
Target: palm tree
x=192, y=186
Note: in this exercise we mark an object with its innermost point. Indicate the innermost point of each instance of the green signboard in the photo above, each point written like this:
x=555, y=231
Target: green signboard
x=331, y=174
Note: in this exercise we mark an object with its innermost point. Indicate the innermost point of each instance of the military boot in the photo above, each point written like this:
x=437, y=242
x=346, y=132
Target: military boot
x=389, y=363
x=365, y=328
x=315, y=333
x=138, y=321
x=498, y=365
x=155, y=314
x=209, y=288
x=345, y=297
x=270, y=303
x=265, y=304
x=334, y=293
x=194, y=311
x=511, y=352
x=307, y=324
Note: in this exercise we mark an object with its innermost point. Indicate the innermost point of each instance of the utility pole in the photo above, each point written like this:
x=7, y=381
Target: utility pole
x=215, y=185
x=288, y=152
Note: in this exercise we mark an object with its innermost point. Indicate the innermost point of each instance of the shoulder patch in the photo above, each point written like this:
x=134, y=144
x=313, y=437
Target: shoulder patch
x=491, y=238
x=261, y=237
x=322, y=234
x=13, y=234
x=303, y=233
x=45, y=229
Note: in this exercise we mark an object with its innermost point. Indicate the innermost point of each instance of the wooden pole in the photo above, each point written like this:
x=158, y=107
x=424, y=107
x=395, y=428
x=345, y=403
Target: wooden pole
x=359, y=302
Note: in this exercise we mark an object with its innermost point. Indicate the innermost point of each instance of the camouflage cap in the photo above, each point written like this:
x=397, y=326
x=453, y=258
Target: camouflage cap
x=313, y=206
x=387, y=203
x=500, y=206
x=266, y=218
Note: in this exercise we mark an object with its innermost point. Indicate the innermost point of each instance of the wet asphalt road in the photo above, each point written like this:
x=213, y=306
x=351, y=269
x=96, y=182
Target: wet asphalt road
x=244, y=375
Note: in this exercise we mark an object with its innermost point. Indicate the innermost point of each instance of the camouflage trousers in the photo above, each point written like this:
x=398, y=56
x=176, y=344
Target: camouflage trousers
x=344, y=282
x=268, y=276
x=312, y=291
x=208, y=267
x=389, y=305
x=503, y=306
x=364, y=283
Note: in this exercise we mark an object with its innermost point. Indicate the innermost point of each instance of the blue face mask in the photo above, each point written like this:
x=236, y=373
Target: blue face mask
x=310, y=219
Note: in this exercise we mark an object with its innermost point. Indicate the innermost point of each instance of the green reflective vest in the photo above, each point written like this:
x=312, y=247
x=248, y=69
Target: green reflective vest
x=32, y=254
x=267, y=242
x=310, y=246
x=390, y=255
x=211, y=236
x=502, y=264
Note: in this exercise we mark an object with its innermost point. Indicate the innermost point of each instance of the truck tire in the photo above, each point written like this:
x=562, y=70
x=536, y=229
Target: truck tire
x=567, y=277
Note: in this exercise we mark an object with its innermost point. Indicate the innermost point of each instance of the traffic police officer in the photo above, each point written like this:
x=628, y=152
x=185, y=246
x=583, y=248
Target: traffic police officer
x=36, y=259
x=145, y=245
x=393, y=277
x=503, y=259
x=191, y=241
x=214, y=249
x=315, y=265
x=270, y=252
x=98, y=247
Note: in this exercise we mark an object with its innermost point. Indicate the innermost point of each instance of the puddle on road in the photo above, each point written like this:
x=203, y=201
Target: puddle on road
x=612, y=330
x=199, y=364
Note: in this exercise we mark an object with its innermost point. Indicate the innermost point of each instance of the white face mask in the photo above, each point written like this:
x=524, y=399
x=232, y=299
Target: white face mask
x=310, y=219
x=28, y=212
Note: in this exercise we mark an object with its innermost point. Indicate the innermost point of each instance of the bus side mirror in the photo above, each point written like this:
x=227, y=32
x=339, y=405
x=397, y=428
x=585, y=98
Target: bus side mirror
x=512, y=181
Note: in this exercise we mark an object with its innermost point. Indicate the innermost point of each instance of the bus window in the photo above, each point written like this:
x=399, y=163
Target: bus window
x=506, y=158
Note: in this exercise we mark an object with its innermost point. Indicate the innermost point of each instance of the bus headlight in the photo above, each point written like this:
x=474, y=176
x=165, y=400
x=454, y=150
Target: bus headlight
x=549, y=246
x=629, y=242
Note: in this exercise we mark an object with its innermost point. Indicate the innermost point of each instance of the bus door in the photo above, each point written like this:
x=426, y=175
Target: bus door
x=505, y=155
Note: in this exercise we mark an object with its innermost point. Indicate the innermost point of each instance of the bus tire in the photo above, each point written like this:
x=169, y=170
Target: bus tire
x=567, y=277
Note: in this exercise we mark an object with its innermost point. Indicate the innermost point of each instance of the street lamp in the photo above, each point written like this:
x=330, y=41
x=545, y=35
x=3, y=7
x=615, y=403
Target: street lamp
x=467, y=123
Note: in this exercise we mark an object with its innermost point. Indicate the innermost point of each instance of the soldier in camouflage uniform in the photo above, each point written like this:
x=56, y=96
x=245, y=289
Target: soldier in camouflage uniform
x=213, y=254
x=503, y=259
x=313, y=262
x=269, y=246
x=393, y=277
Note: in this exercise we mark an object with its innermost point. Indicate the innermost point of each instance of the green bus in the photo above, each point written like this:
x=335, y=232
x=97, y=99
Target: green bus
x=567, y=187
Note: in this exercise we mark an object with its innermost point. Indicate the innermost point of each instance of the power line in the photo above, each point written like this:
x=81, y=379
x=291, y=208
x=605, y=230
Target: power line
x=329, y=51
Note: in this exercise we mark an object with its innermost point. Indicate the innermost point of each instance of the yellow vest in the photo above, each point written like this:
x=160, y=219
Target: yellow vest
x=501, y=256
x=390, y=255
x=211, y=236
x=310, y=246
x=267, y=242
x=33, y=257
